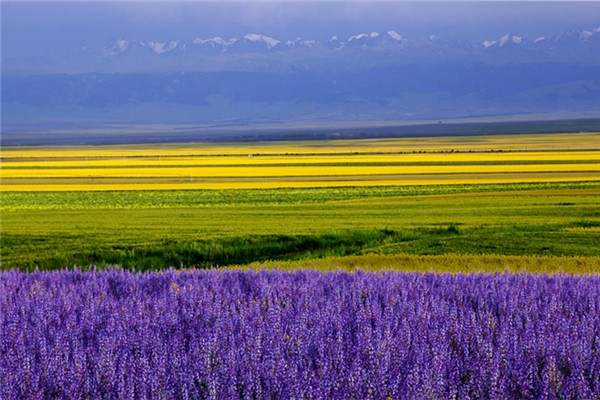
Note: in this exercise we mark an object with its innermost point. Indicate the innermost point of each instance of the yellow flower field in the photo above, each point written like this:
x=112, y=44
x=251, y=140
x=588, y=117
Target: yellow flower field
x=338, y=163
x=208, y=160
x=285, y=171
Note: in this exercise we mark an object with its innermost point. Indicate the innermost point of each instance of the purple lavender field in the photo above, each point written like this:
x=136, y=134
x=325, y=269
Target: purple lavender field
x=279, y=335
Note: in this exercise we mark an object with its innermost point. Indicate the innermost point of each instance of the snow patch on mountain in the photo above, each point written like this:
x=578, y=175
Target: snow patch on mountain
x=160, y=47
x=216, y=41
x=123, y=44
x=504, y=40
x=119, y=46
x=269, y=41
x=394, y=35
x=358, y=37
x=299, y=42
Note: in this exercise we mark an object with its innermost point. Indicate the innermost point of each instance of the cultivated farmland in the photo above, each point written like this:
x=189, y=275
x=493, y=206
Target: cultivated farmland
x=299, y=200
x=519, y=195
x=438, y=268
x=372, y=162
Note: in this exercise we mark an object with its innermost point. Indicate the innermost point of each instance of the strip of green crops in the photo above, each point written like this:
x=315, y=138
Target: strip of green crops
x=195, y=198
x=158, y=229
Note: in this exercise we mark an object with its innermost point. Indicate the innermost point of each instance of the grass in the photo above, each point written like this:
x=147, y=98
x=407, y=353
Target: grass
x=70, y=200
x=203, y=228
x=150, y=184
x=445, y=263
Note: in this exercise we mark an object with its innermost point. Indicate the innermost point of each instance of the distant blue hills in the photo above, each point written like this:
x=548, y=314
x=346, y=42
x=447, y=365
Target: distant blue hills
x=260, y=79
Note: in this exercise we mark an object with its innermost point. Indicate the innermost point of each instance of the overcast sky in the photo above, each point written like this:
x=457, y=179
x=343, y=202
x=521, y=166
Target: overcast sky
x=30, y=28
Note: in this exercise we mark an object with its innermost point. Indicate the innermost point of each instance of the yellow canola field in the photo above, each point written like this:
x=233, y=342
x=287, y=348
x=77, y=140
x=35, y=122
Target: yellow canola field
x=291, y=171
x=334, y=163
x=524, y=157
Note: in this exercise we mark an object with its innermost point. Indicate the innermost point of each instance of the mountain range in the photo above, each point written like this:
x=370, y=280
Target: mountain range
x=257, y=51
x=256, y=78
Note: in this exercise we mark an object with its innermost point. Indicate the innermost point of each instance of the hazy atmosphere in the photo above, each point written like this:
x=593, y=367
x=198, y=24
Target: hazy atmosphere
x=243, y=64
x=40, y=28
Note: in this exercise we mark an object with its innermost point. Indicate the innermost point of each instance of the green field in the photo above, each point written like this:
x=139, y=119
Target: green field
x=204, y=228
x=485, y=203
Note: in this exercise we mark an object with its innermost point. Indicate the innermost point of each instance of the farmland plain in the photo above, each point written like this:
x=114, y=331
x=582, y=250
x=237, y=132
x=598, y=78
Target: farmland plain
x=457, y=236
x=339, y=163
x=202, y=205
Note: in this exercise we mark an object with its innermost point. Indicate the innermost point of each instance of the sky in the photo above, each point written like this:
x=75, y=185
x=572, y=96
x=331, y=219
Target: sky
x=38, y=28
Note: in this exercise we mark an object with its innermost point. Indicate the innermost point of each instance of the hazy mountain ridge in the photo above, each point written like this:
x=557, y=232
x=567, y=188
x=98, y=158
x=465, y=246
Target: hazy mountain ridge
x=257, y=78
x=255, y=51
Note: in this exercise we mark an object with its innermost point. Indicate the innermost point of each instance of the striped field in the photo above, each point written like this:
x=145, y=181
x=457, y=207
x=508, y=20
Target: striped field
x=372, y=162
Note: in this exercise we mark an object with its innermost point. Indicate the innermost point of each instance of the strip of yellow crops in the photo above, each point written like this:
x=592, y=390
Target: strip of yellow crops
x=304, y=159
x=305, y=164
x=448, y=263
x=575, y=141
x=442, y=180
x=280, y=171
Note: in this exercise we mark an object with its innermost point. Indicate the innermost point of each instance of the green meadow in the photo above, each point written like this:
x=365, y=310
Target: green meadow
x=214, y=228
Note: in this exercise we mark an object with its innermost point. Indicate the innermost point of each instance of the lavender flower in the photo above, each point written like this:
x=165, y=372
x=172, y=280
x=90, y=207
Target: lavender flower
x=280, y=335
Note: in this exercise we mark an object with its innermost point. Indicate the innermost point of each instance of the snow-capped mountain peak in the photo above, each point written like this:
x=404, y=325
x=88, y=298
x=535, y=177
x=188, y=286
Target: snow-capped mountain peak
x=118, y=46
x=358, y=37
x=122, y=43
x=504, y=39
x=161, y=47
x=545, y=46
x=299, y=42
x=216, y=41
x=394, y=35
x=269, y=41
